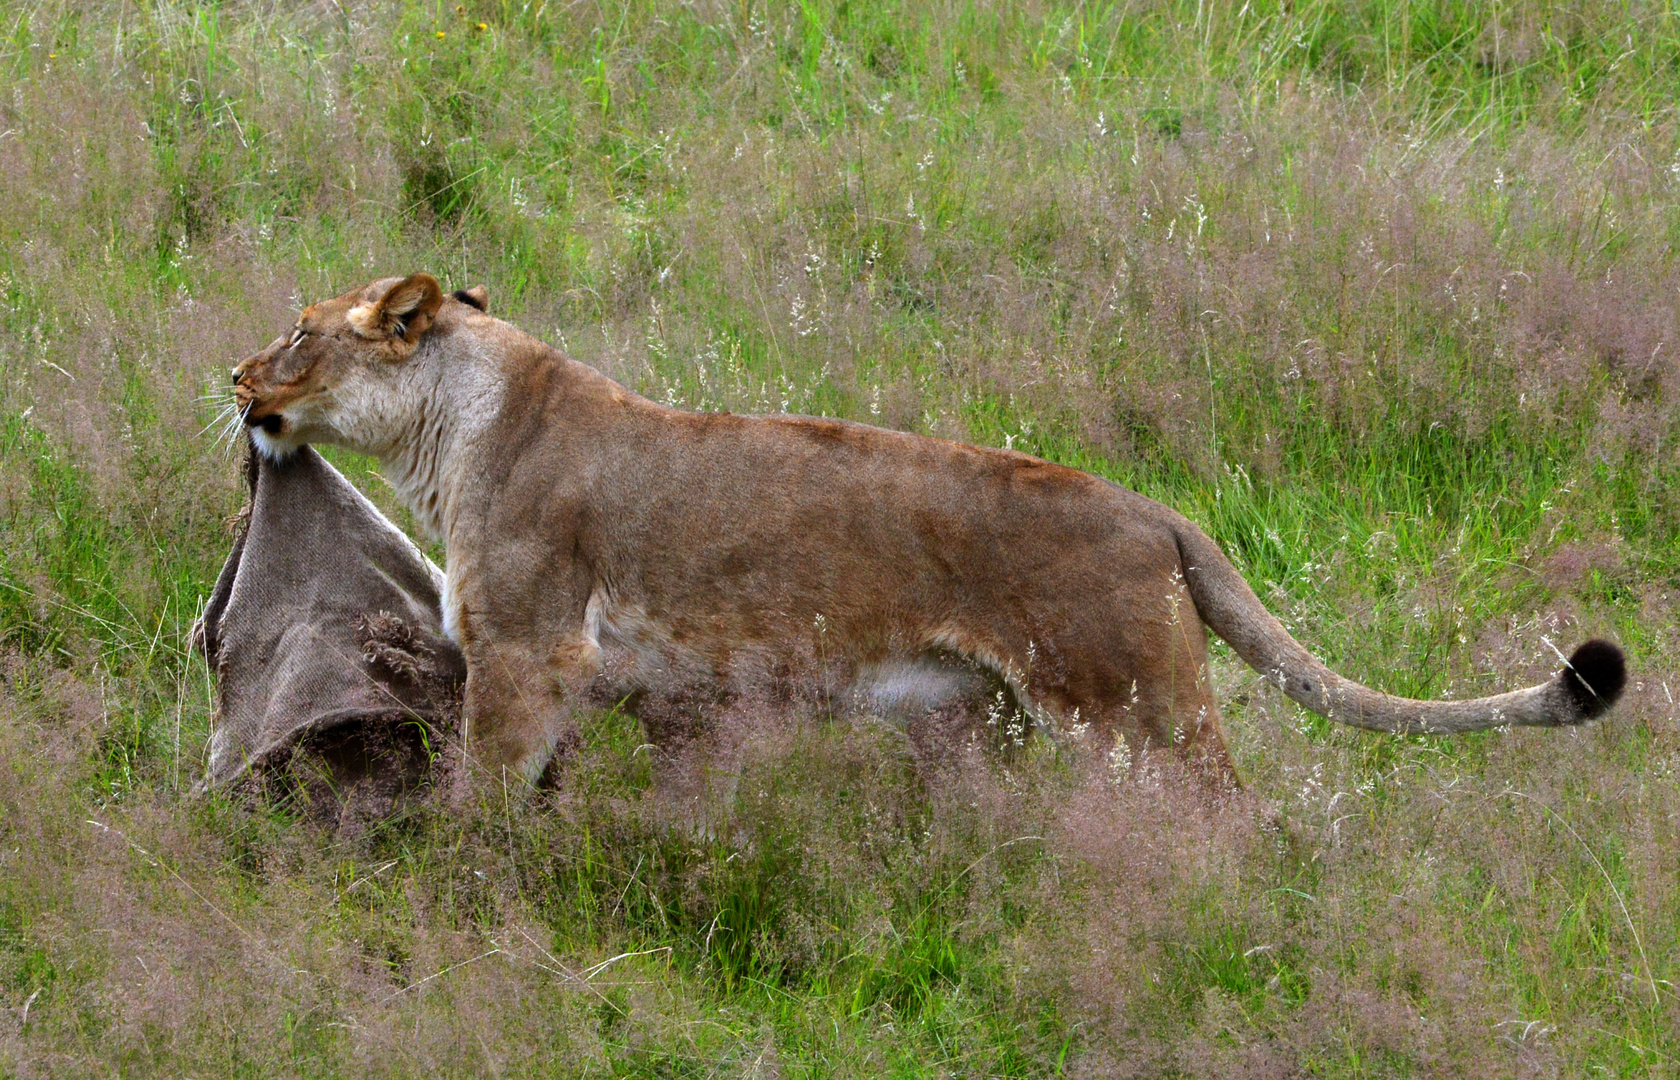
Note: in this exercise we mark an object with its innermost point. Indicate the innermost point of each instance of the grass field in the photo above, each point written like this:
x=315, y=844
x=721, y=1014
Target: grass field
x=1383, y=294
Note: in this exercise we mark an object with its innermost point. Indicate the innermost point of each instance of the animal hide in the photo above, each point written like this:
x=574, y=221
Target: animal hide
x=333, y=676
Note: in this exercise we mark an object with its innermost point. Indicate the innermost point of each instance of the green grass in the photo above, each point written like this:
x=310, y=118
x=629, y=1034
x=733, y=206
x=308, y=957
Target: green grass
x=1381, y=294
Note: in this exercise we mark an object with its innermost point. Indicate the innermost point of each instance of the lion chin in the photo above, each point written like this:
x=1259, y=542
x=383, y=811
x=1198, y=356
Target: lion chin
x=596, y=536
x=276, y=447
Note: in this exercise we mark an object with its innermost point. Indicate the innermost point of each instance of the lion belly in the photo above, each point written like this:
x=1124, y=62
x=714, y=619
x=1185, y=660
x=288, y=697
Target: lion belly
x=640, y=654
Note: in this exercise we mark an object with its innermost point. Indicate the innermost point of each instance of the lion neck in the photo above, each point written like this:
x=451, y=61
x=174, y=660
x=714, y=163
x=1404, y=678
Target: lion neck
x=453, y=397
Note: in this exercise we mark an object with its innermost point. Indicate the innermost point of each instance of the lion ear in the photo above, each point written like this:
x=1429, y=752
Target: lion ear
x=477, y=296
x=405, y=311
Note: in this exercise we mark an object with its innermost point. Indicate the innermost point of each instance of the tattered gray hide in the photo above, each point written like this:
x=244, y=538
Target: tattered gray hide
x=325, y=633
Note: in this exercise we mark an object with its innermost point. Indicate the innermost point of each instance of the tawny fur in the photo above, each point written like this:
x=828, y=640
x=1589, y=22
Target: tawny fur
x=587, y=527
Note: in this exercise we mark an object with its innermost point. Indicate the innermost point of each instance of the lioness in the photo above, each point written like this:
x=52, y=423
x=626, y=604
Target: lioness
x=586, y=526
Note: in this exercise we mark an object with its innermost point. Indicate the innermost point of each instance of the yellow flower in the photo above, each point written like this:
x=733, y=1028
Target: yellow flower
x=460, y=9
x=440, y=35
x=484, y=26
x=52, y=56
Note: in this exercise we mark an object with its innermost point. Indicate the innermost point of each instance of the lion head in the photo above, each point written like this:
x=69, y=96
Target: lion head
x=344, y=372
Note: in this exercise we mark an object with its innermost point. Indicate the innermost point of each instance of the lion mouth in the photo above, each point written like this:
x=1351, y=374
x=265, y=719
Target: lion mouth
x=273, y=423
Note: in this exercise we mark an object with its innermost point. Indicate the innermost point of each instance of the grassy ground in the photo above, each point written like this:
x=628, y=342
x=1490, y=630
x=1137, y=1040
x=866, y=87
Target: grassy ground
x=1382, y=294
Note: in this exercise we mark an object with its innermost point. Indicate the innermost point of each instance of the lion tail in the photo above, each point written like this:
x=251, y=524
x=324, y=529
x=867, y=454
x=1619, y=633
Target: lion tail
x=1588, y=684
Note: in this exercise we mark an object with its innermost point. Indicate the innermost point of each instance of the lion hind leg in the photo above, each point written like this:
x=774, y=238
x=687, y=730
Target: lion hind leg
x=1203, y=743
x=1167, y=701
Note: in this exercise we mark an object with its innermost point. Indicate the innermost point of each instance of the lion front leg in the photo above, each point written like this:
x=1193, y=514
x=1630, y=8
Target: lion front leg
x=519, y=705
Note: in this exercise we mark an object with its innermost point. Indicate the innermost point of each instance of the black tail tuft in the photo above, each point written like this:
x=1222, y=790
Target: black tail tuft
x=1595, y=676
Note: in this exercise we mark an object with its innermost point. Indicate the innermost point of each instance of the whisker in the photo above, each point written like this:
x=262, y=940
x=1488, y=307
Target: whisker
x=235, y=422
x=230, y=431
x=220, y=419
